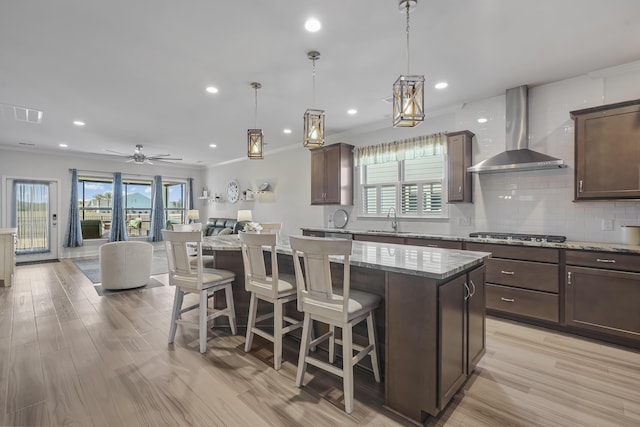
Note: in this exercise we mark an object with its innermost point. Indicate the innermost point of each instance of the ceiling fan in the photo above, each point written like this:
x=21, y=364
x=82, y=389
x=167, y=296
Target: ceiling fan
x=139, y=158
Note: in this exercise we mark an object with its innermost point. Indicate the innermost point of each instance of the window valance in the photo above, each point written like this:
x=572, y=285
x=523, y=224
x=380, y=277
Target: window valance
x=406, y=149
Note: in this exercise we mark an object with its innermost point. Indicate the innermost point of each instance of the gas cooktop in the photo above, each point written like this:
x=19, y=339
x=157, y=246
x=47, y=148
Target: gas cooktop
x=522, y=237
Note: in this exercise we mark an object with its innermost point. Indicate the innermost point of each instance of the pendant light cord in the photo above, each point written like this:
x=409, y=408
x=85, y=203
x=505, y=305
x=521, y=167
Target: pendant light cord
x=313, y=78
x=255, y=114
x=407, y=38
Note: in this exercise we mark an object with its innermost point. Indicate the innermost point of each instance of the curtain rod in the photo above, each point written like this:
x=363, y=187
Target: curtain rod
x=127, y=174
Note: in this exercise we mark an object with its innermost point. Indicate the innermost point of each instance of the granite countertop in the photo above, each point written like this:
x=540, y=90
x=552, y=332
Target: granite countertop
x=584, y=246
x=433, y=263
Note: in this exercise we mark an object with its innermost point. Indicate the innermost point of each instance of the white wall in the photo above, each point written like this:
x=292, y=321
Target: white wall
x=287, y=173
x=534, y=201
x=531, y=201
x=34, y=165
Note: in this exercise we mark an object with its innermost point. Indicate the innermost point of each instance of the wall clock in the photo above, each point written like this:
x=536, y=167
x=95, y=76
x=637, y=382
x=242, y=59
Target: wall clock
x=233, y=191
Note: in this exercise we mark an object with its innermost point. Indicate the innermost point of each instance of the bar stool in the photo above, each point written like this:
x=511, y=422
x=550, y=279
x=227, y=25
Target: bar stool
x=204, y=282
x=277, y=289
x=342, y=308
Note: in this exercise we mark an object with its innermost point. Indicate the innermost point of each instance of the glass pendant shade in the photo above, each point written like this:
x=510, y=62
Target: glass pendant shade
x=313, y=128
x=408, y=101
x=254, y=141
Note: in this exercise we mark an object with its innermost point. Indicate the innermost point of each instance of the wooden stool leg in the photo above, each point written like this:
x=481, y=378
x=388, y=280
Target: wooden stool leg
x=277, y=334
x=253, y=311
x=332, y=344
x=371, y=331
x=304, y=349
x=175, y=314
x=203, y=321
x=228, y=292
x=347, y=367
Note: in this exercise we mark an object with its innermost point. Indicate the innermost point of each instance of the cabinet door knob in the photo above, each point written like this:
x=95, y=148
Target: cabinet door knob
x=507, y=299
x=460, y=189
x=569, y=278
x=508, y=273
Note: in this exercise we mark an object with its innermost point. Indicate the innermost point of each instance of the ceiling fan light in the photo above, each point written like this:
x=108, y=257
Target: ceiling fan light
x=255, y=144
x=313, y=128
x=408, y=101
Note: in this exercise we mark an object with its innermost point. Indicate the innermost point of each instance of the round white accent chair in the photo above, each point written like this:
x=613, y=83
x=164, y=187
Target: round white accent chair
x=125, y=265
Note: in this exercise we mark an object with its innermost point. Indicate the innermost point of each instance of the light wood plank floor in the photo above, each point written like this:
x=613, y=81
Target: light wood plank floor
x=71, y=357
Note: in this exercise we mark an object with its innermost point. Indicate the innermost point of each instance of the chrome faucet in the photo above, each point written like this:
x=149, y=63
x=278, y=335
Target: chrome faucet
x=394, y=221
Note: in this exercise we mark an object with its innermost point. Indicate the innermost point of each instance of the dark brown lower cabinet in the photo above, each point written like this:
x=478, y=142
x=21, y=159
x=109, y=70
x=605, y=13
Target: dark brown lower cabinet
x=604, y=301
x=476, y=315
x=461, y=312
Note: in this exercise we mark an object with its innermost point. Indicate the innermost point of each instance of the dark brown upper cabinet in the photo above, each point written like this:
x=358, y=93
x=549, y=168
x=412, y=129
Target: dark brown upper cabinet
x=332, y=175
x=607, y=151
x=459, y=159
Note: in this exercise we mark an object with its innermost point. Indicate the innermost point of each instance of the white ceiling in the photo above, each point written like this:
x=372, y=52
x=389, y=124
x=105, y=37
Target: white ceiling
x=135, y=70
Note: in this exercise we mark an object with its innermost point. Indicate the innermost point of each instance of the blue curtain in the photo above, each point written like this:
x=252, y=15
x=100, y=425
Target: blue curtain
x=157, y=211
x=118, y=222
x=191, y=204
x=73, y=235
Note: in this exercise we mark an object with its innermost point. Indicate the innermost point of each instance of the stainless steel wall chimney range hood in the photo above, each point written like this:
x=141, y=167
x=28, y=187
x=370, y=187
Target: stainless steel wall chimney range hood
x=517, y=156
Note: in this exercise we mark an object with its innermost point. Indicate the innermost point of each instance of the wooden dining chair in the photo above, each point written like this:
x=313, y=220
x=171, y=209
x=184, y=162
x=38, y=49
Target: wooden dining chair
x=342, y=308
x=198, y=280
x=276, y=288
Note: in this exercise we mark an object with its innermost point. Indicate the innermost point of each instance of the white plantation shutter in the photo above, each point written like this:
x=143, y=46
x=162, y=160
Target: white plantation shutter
x=409, y=202
x=407, y=175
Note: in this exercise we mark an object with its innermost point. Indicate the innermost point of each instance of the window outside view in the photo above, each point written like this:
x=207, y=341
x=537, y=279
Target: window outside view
x=95, y=199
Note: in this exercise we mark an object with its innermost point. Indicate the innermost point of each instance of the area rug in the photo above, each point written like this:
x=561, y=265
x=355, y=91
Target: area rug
x=152, y=283
x=91, y=266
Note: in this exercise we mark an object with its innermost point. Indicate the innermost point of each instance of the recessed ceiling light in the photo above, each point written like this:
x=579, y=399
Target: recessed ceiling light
x=212, y=89
x=352, y=111
x=63, y=145
x=79, y=123
x=212, y=145
x=287, y=131
x=441, y=85
x=312, y=25
x=482, y=120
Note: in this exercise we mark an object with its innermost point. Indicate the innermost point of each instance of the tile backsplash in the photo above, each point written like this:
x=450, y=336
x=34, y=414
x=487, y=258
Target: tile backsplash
x=528, y=201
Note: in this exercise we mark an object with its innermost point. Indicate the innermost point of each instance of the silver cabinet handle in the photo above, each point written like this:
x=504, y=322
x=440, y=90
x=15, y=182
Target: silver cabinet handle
x=432, y=246
x=468, y=295
x=569, y=278
x=580, y=187
x=508, y=299
x=460, y=189
x=474, y=287
x=608, y=261
x=508, y=273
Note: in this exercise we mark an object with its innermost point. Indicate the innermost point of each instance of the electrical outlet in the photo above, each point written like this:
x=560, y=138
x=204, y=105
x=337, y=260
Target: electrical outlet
x=607, y=224
x=465, y=220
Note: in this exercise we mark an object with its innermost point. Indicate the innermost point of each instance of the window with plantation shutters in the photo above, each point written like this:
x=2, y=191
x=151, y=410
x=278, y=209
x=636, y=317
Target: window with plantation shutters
x=414, y=187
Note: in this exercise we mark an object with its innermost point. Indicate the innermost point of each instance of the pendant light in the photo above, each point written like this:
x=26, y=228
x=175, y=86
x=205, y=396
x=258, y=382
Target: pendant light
x=314, y=119
x=408, y=90
x=254, y=136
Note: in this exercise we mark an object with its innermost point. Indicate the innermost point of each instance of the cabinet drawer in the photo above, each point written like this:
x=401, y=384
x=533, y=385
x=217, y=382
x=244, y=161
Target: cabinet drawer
x=606, y=260
x=539, y=305
x=526, y=253
x=434, y=243
x=522, y=274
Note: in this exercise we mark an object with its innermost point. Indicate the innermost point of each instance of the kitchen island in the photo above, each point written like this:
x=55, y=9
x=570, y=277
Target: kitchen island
x=430, y=323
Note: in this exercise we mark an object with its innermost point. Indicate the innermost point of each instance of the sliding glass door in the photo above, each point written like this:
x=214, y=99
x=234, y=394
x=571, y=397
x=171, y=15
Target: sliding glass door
x=34, y=213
